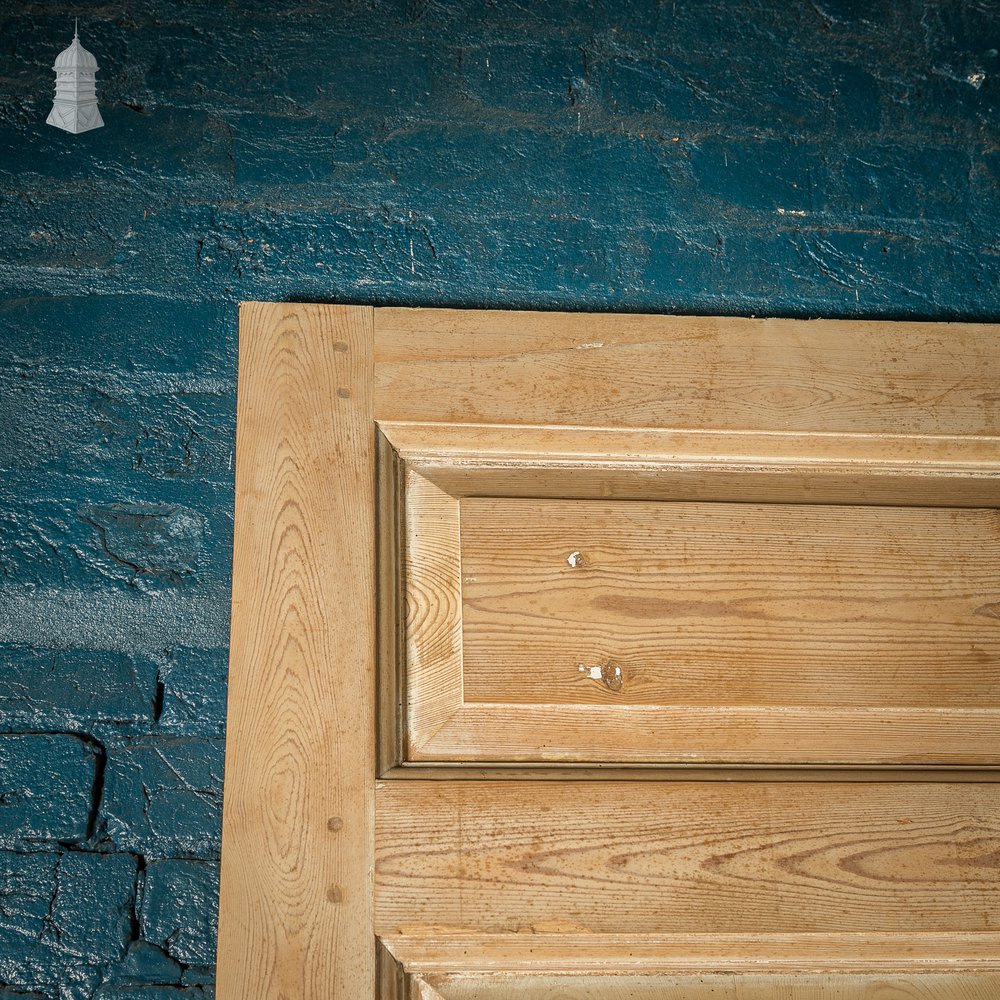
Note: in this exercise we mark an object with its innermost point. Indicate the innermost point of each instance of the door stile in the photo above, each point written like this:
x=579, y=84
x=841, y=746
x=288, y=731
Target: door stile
x=296, y=916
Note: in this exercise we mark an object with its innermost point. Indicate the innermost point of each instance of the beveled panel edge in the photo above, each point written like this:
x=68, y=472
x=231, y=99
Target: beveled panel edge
x=402, y=732
x=677, y=735
x=432, y=693
x=751, y=984
x=677, y=464
x=390, y=608
x=392, y=982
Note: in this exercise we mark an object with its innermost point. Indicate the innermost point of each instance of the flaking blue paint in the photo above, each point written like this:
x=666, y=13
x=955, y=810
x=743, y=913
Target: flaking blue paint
x=836, y=158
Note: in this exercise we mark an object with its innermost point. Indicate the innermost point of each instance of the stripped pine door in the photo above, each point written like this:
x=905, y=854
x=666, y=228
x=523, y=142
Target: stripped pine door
x=612, y=657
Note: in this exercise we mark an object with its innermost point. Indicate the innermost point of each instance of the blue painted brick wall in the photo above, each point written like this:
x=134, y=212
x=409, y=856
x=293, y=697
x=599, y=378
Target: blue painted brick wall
x=835, y=158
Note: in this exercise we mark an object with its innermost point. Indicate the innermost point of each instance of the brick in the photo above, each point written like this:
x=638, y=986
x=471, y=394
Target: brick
x=54, y=228
x=709, y=67
x=63, y=917
x=163, y=541
x=959, y=65
x=163, y=797
x=180, y=344
x=144, y=545
x=767, y=175
x=304, y=153
x=27, y=888
x=194, y=692
x=605, y=179
x=199, y=975
x=179, y=911
x=89, y=423
x=93, y=910
x=290, y=60
x=146, y=964
x=534, y=74
x=398, y=74
x=46, y=546
x=884, y=272
x=901, y=183
x=218, y=50
x=191, y=146
x=47, y=785
x=74, y=689
x=867, y=273
x=298, y=254
x=108, y=257
x=121, y=621
x=572, y=257
x=632, y=84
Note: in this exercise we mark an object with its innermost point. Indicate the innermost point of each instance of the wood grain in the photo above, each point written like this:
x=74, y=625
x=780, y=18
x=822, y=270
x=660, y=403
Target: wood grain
x=825, y=376
x=630, y=603
x=712, y=986
x=687, y=858
x=421, y=989
x=433, y=573
x=296, y=905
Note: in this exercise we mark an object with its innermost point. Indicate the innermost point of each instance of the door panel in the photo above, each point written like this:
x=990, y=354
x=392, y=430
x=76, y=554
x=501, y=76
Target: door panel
x=684, y=675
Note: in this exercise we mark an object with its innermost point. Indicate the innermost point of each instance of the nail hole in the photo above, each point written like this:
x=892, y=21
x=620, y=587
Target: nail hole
x=334, y=823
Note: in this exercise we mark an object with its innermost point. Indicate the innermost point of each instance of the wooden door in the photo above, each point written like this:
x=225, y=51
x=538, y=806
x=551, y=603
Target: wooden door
x=607, y=657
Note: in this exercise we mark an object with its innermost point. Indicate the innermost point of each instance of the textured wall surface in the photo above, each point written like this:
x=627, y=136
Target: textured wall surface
x=836, y=157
